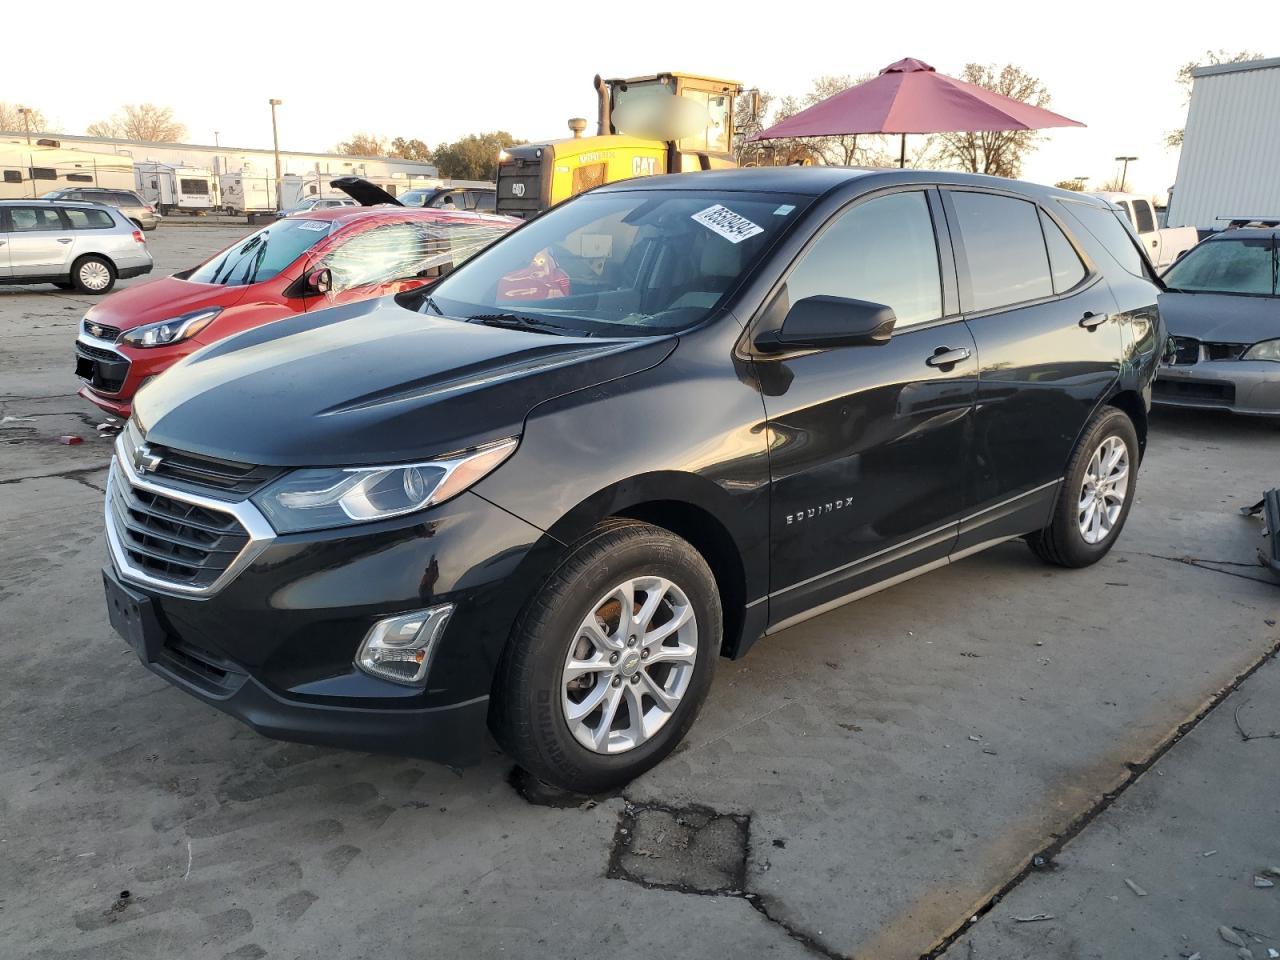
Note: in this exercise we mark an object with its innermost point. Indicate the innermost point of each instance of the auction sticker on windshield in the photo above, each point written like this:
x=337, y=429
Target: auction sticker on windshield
x=734, y=228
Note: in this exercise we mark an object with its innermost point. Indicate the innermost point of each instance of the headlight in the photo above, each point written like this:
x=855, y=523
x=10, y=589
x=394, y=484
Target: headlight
x=170, y=331
x=1265, y=350
x=315, y=499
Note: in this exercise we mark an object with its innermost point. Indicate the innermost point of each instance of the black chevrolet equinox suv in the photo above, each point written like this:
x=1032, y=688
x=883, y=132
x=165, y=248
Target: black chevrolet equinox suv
x=662, y=420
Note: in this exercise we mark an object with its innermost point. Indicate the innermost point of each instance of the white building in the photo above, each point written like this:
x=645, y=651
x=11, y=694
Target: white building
x=386, y=171
x=1230, y=161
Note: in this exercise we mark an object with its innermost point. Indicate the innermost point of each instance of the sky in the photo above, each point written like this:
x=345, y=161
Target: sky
x=416, y=71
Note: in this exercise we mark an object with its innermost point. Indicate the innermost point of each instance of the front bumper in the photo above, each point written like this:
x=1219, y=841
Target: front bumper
x=1250, y=387
x=275, y=646
x=112, y=373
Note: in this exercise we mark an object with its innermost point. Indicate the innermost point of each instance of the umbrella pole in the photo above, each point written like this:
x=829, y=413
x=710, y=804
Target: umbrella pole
x=902, y=156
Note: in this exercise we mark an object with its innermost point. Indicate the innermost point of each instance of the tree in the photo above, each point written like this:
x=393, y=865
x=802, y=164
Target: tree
x=1186, y=79
x=11, y=119
x=473, y=157
x=362, y=145
x=1076, y=185
x=1114, y=185
x=409, y=149
x=867, y=150
x=141, y=121
x=997, y=152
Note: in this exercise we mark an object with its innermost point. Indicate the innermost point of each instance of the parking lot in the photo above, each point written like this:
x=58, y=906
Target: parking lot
x=863, y=784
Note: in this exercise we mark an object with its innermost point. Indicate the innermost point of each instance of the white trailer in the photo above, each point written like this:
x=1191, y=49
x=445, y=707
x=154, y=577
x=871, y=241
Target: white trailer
x=1230, y=162
x=173, y=188
x=248, y=192
x=32, y=170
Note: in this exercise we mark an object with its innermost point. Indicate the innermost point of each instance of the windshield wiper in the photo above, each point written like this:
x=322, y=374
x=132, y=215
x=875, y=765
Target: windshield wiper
x=432, y=305
x=511, y=321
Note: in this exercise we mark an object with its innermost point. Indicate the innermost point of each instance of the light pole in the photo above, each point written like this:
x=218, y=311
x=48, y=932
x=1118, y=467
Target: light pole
x=215, y=139
x=1124, y=173
x=275, y=139
x=26, y=121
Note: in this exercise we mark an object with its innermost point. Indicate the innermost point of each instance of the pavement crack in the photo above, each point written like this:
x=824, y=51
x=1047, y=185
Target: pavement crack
x=1204, y=564
x=1135, y=770
x=75, y=474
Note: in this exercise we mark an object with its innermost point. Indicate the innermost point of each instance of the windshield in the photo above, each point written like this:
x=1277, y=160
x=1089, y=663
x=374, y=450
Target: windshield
x=1247, y=265
x=262, y=255
x=415, y=198
x=634, y=263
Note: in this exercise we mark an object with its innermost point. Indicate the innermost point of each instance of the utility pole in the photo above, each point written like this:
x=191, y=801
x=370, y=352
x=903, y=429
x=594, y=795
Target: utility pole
x=26, y=121
x=215, y=136
x=275, y=139
x=1124, y=173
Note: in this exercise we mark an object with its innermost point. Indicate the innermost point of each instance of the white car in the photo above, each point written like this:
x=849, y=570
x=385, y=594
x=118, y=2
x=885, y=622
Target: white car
x=316, y=203
x=83, y=245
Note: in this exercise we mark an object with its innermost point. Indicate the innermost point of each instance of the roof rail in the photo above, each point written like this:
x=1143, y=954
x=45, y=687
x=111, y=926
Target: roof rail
x=1234, y=223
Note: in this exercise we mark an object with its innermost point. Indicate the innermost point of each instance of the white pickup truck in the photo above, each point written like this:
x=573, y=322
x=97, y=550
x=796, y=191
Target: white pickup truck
x=1163, y=245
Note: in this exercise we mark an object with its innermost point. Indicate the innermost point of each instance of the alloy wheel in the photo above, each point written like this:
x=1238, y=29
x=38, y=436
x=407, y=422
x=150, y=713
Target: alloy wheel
x=1102, y=493
x=629, y=664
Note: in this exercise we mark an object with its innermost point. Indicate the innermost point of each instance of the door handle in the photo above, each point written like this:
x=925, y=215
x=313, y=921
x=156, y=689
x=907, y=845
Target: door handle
x=1091, y=321
x=1155, y=243
x=64, y=239
x=947, y=357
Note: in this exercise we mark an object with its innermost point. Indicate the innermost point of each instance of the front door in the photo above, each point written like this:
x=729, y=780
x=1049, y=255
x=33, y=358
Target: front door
x=39, y=241
x=1050, y=345
x=868, y=444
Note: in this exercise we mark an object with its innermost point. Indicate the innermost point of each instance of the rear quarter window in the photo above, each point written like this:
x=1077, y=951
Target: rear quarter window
x=1064, y=262
x=1104, y=226
x=82, y=219
x=1004, y=249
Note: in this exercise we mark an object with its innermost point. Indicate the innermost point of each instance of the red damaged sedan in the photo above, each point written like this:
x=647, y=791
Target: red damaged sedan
x=297, y=264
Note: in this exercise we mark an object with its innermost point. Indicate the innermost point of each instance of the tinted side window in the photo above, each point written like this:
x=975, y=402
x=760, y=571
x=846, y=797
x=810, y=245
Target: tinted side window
x=882, y=251
x=25, y=219
x=13, y=176
x=1105, y=226
x=1142, y=213
x=1063, y=259
x=1004, y=249
x=85, y=219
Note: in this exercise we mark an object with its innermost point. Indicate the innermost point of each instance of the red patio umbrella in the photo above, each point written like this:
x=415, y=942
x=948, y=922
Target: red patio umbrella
x=911, y=97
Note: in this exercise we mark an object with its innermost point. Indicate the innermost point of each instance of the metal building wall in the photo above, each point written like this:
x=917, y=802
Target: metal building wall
x=1230, y=162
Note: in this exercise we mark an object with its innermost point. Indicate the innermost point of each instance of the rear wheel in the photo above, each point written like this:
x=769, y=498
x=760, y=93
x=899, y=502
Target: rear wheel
x=611, y=659
x=1096, y=495
x=93, y=274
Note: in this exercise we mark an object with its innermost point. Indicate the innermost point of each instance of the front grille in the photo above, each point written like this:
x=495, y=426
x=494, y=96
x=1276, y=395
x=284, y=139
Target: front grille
x=202, y=474
x=1224, y=351
x=104, y=370
x=97, y=353
x=1199, y=391
x=1186, y=351
x=104, y=332
x=172, y=539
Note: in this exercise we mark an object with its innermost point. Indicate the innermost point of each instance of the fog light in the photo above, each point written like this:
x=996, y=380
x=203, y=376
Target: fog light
x=399, y=648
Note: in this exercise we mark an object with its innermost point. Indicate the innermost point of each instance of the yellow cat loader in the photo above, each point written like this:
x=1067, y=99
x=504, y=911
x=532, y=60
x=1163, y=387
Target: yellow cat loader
x=641, y=131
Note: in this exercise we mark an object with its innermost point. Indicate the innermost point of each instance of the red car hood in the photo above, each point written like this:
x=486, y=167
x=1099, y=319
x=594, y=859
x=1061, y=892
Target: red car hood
x=160, y=300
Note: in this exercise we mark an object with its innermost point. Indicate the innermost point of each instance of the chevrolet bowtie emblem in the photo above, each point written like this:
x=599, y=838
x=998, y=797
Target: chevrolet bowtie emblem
x=143, y=459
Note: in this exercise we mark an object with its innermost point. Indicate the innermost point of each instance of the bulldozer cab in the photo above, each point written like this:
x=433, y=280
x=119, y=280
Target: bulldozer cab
x=662, y=123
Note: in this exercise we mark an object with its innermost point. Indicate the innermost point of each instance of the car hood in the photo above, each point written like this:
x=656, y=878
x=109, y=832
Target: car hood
x=1220, y=317
x=160, y=300
x=371, y=382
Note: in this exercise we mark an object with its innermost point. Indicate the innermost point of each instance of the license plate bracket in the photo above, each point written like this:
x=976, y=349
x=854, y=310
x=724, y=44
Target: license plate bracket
x=133, y=616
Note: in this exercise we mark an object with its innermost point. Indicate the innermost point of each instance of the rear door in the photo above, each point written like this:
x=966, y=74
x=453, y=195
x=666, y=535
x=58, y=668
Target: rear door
x=1144, y=221
x=1050, y=347
x=868, y=444
x=40, y=241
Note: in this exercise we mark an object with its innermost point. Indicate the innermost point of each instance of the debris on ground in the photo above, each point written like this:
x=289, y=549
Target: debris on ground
x=1035, y=917
x=1229, y=935
x=1208, y=853
x=7, y=419
x=1134, y=887
x=70, y=439
x=1263, y=882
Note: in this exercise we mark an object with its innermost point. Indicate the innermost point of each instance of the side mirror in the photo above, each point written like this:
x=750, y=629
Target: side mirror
x=320, y=281
x=820, y=322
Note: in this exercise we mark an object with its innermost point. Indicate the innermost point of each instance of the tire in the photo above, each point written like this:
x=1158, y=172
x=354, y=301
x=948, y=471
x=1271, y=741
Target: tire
x=1075, y=537
x=533, y=697
x=87, y=275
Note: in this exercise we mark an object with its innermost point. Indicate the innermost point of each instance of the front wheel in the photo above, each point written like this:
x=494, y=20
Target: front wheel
x=610, y=660
x=1096, y=495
